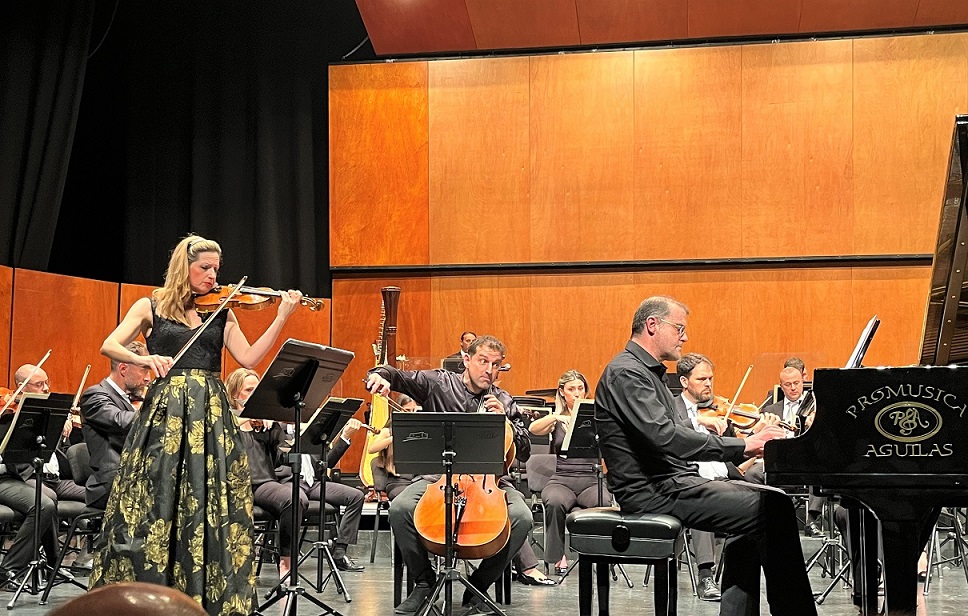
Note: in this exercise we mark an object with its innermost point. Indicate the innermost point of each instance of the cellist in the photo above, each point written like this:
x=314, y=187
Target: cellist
x=443, y=391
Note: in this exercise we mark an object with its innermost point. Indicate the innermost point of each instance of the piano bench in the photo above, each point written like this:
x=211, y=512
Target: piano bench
x=605, y=536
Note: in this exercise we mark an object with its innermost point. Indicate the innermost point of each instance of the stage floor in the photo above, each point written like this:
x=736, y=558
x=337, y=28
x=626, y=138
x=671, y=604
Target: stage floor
x=372, y=593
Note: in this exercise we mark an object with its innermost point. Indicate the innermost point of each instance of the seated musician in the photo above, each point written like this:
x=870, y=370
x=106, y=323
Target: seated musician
x=261, y=441
x=455, y=362
x=17, y=494
x=649, y=455
x=382, y=444
x=575, y=482
x=695, y=374
x=789, y=410
x=106, y=415
x=443, y=391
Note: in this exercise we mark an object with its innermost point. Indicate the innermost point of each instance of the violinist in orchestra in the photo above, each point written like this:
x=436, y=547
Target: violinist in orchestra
x=649, y=455
x=382, y=444
x=469, y=392
x=183, y=463
x=793, y=411
x=696, y=408
x=575, y=482
x=107, y=412
x=18, y=494
x=455, y=362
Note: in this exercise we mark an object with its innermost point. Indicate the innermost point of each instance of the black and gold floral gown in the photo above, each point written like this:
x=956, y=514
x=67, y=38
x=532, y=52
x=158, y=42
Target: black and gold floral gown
x=180, y=511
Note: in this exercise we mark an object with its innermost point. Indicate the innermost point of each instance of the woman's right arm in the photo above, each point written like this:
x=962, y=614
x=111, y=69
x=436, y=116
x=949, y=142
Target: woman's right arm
x=380, y=442
x=544, y=425
x=136, y=321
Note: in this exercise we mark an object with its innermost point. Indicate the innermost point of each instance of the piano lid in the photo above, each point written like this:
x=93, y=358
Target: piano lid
x=945, y=336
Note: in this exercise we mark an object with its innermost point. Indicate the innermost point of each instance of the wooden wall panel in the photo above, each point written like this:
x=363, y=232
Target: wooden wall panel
x=907, y=91
x=577, y=322
x=6, y=310
x=501, y=306
x=71, y=316
x=130, y=293
x=304, y=324
x=356, y=324
x=931, y=12
x=898, y=296
x=797, y=163
x=833, y=15
x=479, y=160
x=605, y=21
x=378, y=164
x=401, y=27
x=741, y=17
x=581, y=156
x=511, y=24
x=688, y=150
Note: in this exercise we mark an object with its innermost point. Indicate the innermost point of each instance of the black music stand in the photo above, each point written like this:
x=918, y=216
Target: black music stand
x=325, y=426
x=422, y=442
x=581, y=441
x=301, y=375
x=33, y=434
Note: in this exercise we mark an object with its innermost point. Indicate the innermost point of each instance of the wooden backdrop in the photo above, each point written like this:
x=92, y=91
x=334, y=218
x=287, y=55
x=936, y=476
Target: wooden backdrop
x=824, y=148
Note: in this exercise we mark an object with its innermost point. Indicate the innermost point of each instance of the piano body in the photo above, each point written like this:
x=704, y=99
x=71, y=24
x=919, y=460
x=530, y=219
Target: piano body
x=896, y=439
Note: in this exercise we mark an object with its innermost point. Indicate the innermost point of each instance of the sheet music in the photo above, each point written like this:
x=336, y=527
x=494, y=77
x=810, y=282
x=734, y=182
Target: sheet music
x=579, y=405
x=13, y=422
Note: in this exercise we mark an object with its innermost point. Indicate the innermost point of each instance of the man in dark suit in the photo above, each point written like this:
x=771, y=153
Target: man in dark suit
x=455, y=362
x=789, y=409
x=106, y=417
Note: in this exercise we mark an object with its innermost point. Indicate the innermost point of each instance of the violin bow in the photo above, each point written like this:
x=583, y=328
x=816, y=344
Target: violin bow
x=204, y=325
x=20, y=388
x=80, y=388
x=732, y=403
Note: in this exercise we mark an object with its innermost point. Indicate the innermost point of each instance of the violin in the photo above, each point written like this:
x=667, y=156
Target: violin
x=247, y=298
x=7, y=400
x=742, y=416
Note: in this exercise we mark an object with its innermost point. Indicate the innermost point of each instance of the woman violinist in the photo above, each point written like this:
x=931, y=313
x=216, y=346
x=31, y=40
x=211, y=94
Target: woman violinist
x=575, y=481
x=180, y=513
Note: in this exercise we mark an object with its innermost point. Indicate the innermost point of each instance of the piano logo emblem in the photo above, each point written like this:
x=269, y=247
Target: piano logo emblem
x=908, y=422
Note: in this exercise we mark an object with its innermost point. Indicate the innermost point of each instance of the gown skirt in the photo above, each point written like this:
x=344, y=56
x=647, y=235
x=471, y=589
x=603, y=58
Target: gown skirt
x=180, y=511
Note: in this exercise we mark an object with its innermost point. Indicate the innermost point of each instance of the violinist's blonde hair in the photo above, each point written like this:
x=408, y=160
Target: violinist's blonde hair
x=564, y=379
x=234, y=382
x=174, y=300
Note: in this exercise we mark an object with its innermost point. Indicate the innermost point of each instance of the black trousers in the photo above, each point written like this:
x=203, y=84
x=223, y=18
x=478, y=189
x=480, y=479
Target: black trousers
x=276, y=498
x=339, y=495
x=764, y=534
x=19, y=496
x=562, y=494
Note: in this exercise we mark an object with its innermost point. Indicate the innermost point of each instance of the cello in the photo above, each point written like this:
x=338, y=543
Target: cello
x=481, y=523
x=385, y=350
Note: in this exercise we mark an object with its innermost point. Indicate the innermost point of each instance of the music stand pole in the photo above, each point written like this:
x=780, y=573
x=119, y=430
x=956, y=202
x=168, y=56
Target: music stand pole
x=446, y=578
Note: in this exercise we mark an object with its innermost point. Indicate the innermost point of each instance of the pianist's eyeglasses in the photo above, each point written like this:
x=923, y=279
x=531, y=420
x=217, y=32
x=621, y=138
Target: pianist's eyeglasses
x=679, y=326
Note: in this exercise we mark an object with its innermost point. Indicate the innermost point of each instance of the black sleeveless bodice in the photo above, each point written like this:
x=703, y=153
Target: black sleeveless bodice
x=168, y=337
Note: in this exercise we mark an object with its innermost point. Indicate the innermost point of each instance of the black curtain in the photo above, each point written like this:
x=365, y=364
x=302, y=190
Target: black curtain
x=43, y=55
x=209, y=117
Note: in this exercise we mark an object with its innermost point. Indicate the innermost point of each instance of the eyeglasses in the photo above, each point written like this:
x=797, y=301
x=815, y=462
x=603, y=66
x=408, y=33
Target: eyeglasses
x=679, y=327
x=41, y=384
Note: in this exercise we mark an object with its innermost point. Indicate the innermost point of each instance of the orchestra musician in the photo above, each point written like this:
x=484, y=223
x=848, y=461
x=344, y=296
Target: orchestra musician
x=107, y=412
x=183, y=463
x=443, y=391
x=455, y=362
x=18, y=494
x=695, y=374
x=789, y=409
x=575, y=482
x=382, y=444
x=648, y=454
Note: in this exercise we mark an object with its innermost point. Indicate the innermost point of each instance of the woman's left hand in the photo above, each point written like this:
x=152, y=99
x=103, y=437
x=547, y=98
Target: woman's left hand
x=290, y=301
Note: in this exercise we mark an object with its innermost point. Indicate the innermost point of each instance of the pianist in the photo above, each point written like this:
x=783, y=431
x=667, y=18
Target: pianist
x=648, y=456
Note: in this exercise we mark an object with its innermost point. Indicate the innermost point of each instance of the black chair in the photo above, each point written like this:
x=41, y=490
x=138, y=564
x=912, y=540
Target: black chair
x=540, y=468
x=79, y=460
x=605, y=536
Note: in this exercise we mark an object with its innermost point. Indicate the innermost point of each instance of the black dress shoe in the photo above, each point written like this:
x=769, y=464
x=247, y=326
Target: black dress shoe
x=812, y=530
x=345, y=563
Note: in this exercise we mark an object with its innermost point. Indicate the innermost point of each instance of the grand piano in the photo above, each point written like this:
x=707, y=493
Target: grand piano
x=896, y=439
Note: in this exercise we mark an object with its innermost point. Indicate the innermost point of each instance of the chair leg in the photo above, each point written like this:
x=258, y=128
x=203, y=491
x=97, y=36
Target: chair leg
x=690, y=562
x=60, y=560
x=584, y=587
x=666, y=588
x=376, y=531
x=603, y=585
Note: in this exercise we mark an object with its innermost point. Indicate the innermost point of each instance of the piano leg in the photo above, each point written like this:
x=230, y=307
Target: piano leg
x=903, y=542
